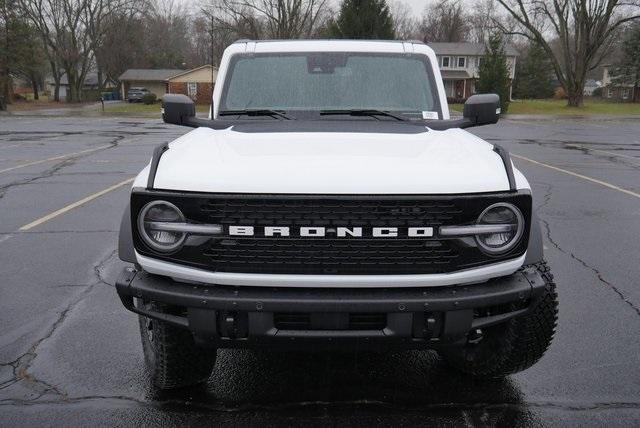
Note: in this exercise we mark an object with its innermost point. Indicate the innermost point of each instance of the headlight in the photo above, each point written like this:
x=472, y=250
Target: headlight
x=504, y=217
x=154, y=224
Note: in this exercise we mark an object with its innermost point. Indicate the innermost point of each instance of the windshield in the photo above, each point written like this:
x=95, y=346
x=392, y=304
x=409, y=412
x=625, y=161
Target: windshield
x=321, y=81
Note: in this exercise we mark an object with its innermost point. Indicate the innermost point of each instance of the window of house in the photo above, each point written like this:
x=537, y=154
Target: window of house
x=480, y=61
x=625, y=94
x=461, y=62
x=609, y=93
x=446, y=61
x=192, y=90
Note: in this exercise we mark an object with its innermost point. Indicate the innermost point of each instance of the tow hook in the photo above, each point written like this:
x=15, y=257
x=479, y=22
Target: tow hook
x=475, y=336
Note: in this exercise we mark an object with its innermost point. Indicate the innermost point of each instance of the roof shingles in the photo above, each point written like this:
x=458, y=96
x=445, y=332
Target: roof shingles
x=149, y=75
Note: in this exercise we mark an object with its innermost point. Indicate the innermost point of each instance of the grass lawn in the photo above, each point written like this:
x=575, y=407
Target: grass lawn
x=143, y=108
x=559, y=107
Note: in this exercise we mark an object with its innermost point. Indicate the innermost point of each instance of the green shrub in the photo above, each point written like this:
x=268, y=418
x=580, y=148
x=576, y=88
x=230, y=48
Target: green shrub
x=149, y=98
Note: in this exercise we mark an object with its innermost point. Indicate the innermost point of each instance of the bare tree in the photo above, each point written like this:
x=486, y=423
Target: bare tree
x=583, y=29
x=71, y=30
x=277, y=19
x=444, y=21
x=405, y=26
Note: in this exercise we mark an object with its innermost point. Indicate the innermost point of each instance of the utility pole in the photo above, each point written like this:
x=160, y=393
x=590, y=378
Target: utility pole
x=211, y=63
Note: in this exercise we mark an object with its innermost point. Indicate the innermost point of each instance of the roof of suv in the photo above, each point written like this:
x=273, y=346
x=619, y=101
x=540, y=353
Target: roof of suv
x=333, y=45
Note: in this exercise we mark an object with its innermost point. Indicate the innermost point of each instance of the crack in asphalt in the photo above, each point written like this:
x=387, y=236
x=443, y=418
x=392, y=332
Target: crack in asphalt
x=22, y=364
x=58, y=166
x=192, y=405
x=597, y=273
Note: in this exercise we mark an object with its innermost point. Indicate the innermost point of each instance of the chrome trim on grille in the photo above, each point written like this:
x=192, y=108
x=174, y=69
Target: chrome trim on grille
x=476, y=229
x=195, y=229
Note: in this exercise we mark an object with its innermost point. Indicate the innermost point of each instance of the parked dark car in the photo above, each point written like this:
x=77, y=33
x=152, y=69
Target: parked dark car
x=134, y=95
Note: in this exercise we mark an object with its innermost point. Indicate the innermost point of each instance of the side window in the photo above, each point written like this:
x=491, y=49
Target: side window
x=445, y=61
x=461, y=62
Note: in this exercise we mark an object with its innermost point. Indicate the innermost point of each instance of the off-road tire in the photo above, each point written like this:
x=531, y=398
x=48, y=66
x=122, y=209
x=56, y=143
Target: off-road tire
x=515, y=345
x=171, y=354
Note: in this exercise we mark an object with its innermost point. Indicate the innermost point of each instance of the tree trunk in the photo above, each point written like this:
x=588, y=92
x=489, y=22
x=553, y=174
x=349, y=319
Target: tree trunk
x=55, y=73
x=71, y=81
x=100, y=81
x=34, y=85
x=575, y=100
x=79, y=85
x=575, y=93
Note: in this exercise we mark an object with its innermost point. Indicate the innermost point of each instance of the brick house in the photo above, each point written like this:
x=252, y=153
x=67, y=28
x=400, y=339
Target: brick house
x=618, y=91
x=155, y=80
x=196, y=83
x=459, y=64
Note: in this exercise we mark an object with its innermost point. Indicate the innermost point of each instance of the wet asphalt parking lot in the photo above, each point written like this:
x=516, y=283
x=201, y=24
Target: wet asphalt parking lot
x=70, y=355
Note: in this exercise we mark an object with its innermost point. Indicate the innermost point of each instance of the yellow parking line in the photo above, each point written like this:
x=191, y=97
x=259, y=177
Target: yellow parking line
x=575, y=174
x=70, y=155
x=73, y=205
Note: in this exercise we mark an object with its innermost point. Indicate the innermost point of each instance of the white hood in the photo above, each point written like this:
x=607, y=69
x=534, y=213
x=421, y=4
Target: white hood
x=432, y=162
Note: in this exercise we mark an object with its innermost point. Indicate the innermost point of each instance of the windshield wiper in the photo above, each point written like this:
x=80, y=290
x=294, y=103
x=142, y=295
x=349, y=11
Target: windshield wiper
x=363, y=112
x=254, y=112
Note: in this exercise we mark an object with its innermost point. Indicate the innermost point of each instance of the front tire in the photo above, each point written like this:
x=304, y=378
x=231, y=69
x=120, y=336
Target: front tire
x=514, y=345
x=171, y=354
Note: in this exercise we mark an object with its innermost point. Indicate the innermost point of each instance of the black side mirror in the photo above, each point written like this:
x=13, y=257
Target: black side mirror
x=482, y=109
x=178, y=109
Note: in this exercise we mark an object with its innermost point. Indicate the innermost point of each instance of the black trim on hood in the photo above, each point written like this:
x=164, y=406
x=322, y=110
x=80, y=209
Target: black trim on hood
x=506, y=160
x=155, y=160
x=252, y=126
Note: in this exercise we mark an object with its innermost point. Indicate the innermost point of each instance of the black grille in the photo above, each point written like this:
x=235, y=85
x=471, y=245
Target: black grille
x=330, y=254
x=327, y=212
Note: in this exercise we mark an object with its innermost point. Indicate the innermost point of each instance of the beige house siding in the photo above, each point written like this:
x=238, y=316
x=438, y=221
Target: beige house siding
x=196, y=83
x=202, y=74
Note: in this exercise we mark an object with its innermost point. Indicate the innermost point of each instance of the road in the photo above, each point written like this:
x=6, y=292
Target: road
x=71, y=355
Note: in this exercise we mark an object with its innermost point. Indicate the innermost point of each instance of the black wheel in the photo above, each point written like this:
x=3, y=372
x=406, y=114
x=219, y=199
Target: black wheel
x=512, y=346
x=172, y=356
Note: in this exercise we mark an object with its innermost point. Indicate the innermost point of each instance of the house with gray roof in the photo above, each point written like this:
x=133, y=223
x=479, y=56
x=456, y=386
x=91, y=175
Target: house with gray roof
x=459, y=64
x=155, y=80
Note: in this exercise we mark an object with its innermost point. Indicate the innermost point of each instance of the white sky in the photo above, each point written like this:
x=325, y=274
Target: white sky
x=416, y=5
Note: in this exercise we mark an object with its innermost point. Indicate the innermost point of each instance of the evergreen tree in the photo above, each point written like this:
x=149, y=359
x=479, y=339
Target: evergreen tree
x=493, y=74
x=534, y=74
x=627, y=70
x=363, y=19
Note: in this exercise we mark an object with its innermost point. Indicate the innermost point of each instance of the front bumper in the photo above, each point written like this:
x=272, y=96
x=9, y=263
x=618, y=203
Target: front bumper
x=227, y=316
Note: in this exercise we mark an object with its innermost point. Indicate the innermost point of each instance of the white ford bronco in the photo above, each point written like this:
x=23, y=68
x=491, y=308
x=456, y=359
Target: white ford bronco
x=330, y=202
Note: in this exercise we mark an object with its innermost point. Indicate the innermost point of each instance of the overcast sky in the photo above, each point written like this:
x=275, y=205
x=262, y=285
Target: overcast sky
x=416, y=5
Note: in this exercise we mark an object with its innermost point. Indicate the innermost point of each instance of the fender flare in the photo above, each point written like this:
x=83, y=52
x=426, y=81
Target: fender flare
x=535, y=252
x=126, y=250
